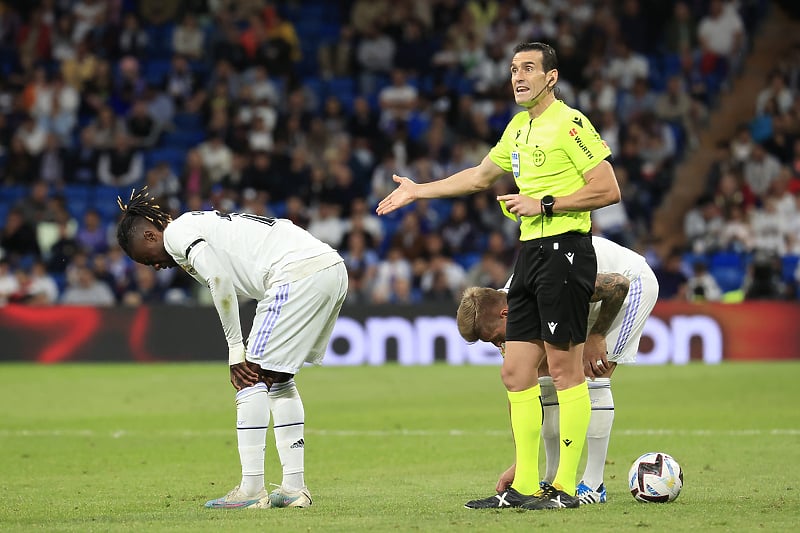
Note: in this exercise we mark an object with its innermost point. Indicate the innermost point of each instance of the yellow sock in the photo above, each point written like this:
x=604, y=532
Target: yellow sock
x=526, y=422
x=575, y=411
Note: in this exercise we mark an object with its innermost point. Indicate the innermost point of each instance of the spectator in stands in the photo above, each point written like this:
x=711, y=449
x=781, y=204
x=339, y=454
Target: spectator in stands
x=33, y=136
x=143, y=129
x=106, y=128
x=337, y=58
x=702, y=226
x=326, y=225
x=442, y=278
x=133, y=39
x=760, y=169
x=736, y=234
x=627, y=66
x=363, y=13
x=83, y=159
x=599, y=97
x=409, y=238
x=188, y=39
x=671, y=279
x=85, y=289
x=296, y=211
x=42, y=288
x=677, y=108
x=182, y=84
x=216, y=156
x=122, y=166
x=680, y=33
x=281, y=50
x=763, y=280
x=701, y=285
x=394, y=267
x=92, y=235
x=18, y=237
x=488, y=272
x=162, y=183
x=722, y=38
x=768, y=227
x=90, y=19
x=49, y=227
x=459, y=231
x=397, y=100
x=144, y=288
x=34, y=40
x=20, y=166
x=9, y=284
x=158, y=12
x=263, y=88
x=63, y=47
x=374, y=56
x=362, y=267
x=638, y=101
x=776, y=90
x=362, y=219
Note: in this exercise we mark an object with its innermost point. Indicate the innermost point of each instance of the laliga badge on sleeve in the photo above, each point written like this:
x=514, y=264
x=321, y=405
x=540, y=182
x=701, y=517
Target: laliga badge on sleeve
x=515, y=163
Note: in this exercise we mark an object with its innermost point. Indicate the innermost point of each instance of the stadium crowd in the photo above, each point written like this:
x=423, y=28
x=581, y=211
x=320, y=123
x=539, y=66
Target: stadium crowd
x=304, y=110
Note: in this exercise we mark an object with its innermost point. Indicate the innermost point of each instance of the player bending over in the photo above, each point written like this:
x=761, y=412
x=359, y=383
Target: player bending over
x=626, y=291
x=300, y=284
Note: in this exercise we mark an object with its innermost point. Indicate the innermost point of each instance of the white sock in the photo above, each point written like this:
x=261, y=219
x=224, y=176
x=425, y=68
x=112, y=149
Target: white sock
x=599, y=431
x=549, y=427
x=252, y=420
x=288, y=418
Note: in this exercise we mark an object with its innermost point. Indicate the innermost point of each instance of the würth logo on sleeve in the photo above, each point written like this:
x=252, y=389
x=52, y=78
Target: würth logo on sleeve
x=580, y=143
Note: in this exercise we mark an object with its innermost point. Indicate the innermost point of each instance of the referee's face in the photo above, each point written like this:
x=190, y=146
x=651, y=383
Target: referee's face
x=528, y=79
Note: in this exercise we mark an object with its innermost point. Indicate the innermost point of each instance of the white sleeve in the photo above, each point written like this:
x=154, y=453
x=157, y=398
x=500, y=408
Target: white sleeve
x=205, y=262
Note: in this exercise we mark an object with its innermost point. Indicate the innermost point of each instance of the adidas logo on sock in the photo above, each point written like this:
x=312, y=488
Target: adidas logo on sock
x=298, y=444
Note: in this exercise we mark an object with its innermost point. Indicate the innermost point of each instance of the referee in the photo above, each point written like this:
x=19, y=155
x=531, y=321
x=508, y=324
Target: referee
x=560, y=166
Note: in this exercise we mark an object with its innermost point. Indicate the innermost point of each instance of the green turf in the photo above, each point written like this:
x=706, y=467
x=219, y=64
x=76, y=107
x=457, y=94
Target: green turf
x=142, y=447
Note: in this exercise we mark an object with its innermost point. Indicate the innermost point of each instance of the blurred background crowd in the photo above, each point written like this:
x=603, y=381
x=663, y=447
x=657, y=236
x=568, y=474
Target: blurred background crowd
x=305, y=109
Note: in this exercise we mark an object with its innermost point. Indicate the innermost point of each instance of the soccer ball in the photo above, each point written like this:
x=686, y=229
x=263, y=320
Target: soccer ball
x=655, y=477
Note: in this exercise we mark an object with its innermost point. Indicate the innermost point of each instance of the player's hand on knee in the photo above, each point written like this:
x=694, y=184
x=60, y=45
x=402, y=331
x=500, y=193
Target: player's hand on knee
x=242, y=376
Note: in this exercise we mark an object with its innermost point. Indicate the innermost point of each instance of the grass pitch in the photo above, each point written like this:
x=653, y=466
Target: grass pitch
x=142, y=447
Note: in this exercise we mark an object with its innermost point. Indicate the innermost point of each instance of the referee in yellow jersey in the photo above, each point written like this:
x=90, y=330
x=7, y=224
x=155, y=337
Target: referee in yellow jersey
x=560, y=165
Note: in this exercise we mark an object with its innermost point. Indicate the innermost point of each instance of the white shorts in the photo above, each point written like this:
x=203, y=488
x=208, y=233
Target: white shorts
x=622, y=340
x=293, y=324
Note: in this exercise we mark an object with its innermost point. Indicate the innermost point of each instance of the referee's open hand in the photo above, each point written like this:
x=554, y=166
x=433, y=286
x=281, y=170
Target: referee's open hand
x=521, y=205
x=401, y=196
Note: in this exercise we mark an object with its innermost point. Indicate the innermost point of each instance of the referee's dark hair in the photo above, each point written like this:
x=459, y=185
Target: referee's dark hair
x=141, y=206
x=549, y=57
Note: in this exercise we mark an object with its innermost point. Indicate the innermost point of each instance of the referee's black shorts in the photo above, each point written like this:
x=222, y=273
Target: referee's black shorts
x=549, y=294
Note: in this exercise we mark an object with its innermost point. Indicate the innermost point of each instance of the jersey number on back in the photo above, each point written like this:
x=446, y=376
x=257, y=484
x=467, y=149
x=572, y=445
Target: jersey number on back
x=269, y=221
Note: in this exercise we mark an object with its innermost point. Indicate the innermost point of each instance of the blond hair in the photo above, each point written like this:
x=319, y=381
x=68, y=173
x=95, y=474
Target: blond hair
x=478, y=311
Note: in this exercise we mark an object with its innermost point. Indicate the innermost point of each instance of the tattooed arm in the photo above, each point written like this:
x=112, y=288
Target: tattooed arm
x=610, y=290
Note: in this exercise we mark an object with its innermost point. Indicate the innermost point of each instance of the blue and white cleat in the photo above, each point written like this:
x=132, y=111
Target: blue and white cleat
x=284, y=498
x=587, y=495
x=235, y=499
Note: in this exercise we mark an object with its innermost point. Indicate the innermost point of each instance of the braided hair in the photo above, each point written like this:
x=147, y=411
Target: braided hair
x=141, y=205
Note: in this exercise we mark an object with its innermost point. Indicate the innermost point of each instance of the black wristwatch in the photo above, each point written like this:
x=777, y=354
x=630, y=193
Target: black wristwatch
x=547, y=205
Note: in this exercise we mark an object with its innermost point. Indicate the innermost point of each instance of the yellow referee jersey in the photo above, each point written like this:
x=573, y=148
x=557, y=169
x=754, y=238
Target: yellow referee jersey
x=549, y=155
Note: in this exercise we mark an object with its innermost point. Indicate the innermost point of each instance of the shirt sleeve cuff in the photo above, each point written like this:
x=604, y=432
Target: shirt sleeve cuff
x=236, y=354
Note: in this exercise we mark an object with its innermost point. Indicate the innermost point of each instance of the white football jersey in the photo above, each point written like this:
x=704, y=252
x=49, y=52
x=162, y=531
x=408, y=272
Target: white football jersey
x=611, y=257
x=255, y=252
